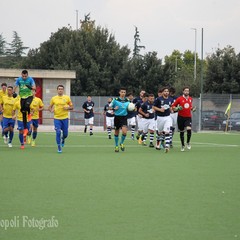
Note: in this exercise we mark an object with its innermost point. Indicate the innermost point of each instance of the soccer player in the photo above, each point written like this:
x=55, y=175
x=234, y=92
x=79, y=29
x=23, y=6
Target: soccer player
x=60, y=105
x=25, y=84
x=17, y=114
x=138, y=102
x=173, y=115
x=162, y=106
x=109, y=113
x=88, y=108
x=148, y=120
x=139, y=117
x=7, y=103
x=183, y=105
x=3, y=92
x=131, y=117
x=37, y=106
x=120, y=105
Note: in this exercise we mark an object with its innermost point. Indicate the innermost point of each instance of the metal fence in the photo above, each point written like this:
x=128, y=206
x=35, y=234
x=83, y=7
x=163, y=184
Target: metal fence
x=210, y=113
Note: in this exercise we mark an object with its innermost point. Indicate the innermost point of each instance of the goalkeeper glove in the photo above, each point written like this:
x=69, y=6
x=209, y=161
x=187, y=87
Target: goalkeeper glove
x=178, y=108
x=14, y=95
x=28, y=86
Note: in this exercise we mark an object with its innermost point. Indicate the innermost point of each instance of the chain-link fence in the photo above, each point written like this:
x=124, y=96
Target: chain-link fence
x=210, y=113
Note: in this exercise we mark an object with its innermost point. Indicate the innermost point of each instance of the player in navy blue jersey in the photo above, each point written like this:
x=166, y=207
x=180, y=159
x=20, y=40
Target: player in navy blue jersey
x=131, y=117
x=162, y=106
x=138, y=101
x=139, y=117
x=140, y=97
x=173, y=115
x=109, y=113
x=148, y=120
x=88, y=108
x=120, y=105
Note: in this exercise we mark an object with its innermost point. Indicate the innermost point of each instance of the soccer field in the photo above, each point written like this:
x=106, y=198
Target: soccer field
x=89, y=192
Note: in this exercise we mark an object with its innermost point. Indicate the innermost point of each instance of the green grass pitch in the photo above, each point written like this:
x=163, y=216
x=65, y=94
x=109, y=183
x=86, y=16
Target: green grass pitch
x=139, y=194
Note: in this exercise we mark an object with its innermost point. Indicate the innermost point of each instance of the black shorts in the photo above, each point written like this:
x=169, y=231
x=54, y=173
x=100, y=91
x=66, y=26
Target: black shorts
x=25, y=104
x=120, y=121
x=184, y=122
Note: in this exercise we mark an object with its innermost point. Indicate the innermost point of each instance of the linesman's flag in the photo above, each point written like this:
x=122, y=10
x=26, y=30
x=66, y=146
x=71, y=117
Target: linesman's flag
x=227, y=112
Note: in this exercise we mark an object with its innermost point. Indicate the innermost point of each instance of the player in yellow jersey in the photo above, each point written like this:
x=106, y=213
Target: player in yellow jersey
x=3, y=92
x=60, y=105
x=7, y=103
x=17, y=114
x=36, y=106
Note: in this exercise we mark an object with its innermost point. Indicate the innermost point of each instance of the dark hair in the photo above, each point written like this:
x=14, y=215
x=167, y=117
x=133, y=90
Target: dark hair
x=145, y=95
x=24, y=71
x=151, y=95
x=164, y=88
x=60, y=86
x=89, y=96
x=4, y=84
x=160, y=90
x=122, y=88
x=130, y=93
x=186, y=87
x=172, y=90
x=10, y=87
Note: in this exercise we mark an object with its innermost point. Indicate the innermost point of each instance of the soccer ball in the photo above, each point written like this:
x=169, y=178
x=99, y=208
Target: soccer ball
x=131, y=107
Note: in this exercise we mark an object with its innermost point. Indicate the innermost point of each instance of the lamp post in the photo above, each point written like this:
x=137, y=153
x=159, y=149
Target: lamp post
x=195, y=55
x=76, y=19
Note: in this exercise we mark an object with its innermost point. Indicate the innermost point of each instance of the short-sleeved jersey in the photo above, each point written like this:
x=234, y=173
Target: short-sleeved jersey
x=186, y=104
x=59, y=102
x=166, y=103
x=122, y=105
x=109, y=112
x=137, y=99
x=35, y=105
x=2, y=93
x=24, y=91
x=7, y=103
x=17, y=106
x=147, y=108
x=89, y=107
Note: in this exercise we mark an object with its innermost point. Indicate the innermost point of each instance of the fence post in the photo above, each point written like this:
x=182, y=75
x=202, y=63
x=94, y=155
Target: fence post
x=200, y=113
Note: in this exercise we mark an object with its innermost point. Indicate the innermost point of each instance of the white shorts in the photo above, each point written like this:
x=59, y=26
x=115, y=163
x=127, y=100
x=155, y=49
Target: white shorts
x=148, y=124
x=139, y=122
x=89, y=121
x=131, y=121
x=110, y=122
x=164, y=124
x=174, y=119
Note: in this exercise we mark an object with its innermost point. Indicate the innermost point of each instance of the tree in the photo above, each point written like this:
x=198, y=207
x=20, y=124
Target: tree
x=223, y=71
x=178, y=71
x=94, y=54
x=137, y=47
x=2, y=45
x=16, y=46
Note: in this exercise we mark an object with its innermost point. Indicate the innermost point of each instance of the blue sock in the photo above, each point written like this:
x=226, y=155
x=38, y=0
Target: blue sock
x=11, y=136
x=34, y=135
x=116, y=140
x=123, y=138
x=21, y=138
x=58, y=137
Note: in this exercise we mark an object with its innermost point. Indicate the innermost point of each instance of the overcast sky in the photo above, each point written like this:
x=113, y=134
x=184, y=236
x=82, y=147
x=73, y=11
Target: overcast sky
x=164, y=25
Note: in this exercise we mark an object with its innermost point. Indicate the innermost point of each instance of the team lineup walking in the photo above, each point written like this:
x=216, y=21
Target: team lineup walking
x=151, y=119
